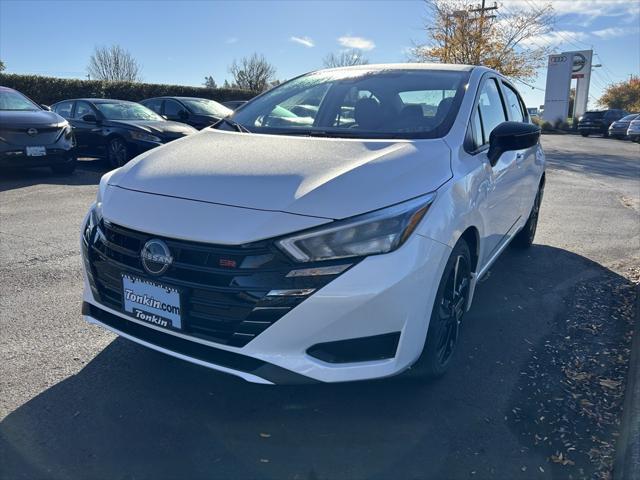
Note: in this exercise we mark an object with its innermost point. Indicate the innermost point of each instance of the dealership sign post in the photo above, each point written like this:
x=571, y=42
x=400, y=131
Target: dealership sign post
x=561, y=69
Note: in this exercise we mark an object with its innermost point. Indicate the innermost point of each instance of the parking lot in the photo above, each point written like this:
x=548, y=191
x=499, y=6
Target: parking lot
x=77, y=402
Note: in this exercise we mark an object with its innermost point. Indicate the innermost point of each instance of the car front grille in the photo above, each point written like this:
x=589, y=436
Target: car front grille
x=224, y=289
x=19, y=136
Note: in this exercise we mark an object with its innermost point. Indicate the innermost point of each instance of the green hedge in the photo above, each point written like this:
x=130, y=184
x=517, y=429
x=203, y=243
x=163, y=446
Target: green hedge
x=49, y=90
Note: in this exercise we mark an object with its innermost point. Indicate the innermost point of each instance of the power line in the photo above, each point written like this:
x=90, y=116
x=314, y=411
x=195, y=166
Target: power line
x=528, y=84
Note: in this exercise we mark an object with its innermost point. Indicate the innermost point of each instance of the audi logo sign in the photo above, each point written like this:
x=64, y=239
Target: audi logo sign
x=557, y=59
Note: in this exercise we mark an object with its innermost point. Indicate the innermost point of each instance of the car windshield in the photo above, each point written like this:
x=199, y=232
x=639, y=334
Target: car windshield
x=202, y=106
x=362, y=103
x=126, y=111
x=10, y=100
x=593, y=115
x=628, y=118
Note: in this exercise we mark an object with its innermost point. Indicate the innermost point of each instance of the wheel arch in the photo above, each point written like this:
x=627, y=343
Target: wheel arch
x=472, y=237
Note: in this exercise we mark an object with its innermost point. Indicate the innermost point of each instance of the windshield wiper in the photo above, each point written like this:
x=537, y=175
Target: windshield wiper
x=232, y=124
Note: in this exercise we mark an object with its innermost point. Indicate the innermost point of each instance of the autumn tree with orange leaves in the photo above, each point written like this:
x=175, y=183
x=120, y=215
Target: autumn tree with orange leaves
x=624, y=95
x=458, y=32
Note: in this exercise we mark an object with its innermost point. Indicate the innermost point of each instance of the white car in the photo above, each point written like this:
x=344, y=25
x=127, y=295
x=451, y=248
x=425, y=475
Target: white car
x=343, y=244
x=633, y=132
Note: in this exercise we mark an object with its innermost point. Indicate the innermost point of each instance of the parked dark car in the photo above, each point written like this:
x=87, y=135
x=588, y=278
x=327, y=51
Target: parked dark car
x=117, y=130
x=618, y=129
x=32, y=136
x=597, y=122
x=197, y=112
x=234, y=104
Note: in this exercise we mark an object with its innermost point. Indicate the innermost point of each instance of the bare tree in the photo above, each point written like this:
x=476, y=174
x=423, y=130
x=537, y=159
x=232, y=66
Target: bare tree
x=461, y=33
x=345, y=58
x=252, y=73
x=113, y=64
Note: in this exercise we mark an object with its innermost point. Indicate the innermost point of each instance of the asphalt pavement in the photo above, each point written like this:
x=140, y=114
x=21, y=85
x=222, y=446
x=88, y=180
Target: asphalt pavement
x=76, y=402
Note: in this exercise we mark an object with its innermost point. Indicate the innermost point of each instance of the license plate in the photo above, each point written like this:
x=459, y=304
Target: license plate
x=151, y=302
x=36, y=151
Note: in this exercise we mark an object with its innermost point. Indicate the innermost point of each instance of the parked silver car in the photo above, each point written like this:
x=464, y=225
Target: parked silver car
x=618, y=129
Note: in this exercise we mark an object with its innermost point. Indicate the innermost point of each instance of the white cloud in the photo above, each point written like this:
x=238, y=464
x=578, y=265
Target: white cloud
x=358, y=43
x=306, y=41
x=583, y=8
x=231, y=40
x=613, y=32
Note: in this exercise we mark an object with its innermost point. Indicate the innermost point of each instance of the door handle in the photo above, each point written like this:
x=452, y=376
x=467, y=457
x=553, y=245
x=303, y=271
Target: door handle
x=519, y=157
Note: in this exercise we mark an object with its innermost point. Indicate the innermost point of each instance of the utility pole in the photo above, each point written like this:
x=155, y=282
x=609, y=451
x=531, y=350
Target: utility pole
x=481, y=10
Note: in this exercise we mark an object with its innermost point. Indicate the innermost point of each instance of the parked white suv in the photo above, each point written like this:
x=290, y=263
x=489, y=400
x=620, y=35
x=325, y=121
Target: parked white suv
x=332, y=230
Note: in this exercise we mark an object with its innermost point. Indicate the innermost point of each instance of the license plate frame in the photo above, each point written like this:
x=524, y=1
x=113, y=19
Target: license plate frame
x=36, y=151
x=152, y=302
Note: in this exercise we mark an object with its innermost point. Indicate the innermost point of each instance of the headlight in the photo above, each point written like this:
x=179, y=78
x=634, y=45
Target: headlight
x=373, y=233
x=93, y=219
x=145, y=137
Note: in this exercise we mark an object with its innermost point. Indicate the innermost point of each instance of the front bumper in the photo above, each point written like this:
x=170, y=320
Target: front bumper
x=380, y=295
x=19, y=159
x=618, y=131
x=592, y=128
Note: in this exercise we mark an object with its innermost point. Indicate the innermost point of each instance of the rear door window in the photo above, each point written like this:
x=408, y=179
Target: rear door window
x=154, y=104
x=514, y=105
x=82, y=109
x=63, y=109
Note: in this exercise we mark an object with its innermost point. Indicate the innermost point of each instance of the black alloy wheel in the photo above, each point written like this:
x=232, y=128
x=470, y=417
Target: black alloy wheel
x=524, y=238
x=117, y=152
x=449, y=308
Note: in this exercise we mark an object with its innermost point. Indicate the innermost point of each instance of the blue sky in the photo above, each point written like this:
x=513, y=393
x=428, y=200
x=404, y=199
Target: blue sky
x=181, y=42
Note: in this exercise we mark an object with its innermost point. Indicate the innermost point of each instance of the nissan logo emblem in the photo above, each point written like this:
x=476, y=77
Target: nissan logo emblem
x=579, y=61
x=156, y=257
x=32, y=132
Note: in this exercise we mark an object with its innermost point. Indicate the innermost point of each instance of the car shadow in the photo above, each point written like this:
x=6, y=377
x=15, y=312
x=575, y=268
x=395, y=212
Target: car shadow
x=134, y=413
x=88, y=172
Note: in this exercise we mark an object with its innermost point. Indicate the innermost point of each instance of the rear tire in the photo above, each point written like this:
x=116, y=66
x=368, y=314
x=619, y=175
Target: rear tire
x=449, y=307
x=584, y=134
x=524, y=238
x=65, y=168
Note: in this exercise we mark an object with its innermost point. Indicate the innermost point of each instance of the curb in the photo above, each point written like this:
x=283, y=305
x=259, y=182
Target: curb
x=627, y=461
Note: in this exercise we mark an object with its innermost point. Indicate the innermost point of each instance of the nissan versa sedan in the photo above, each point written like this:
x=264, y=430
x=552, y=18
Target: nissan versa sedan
x=633, y=132
x=31, y=136
x=344, y=244
x=618, y=129
x=117, y=130
x=197, y=112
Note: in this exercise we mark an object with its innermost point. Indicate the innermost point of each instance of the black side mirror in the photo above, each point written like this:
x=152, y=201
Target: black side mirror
x=45, y=107
x=510, y=136
x=183, y=115
x=90, y=118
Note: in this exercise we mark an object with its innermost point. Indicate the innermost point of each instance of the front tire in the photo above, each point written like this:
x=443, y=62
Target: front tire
x=524, y=238
x=117, y=152
x=584, y=134
x=446, y=318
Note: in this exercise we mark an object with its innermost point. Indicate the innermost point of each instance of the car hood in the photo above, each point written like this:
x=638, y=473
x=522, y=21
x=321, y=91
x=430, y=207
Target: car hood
x=322, y=177
x=31, y=118
x=155, y=126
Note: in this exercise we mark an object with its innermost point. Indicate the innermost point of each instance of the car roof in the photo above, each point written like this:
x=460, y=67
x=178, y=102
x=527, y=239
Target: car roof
x=96, y=100
x=407, y=66
x=7, y=89
x=178, y=98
